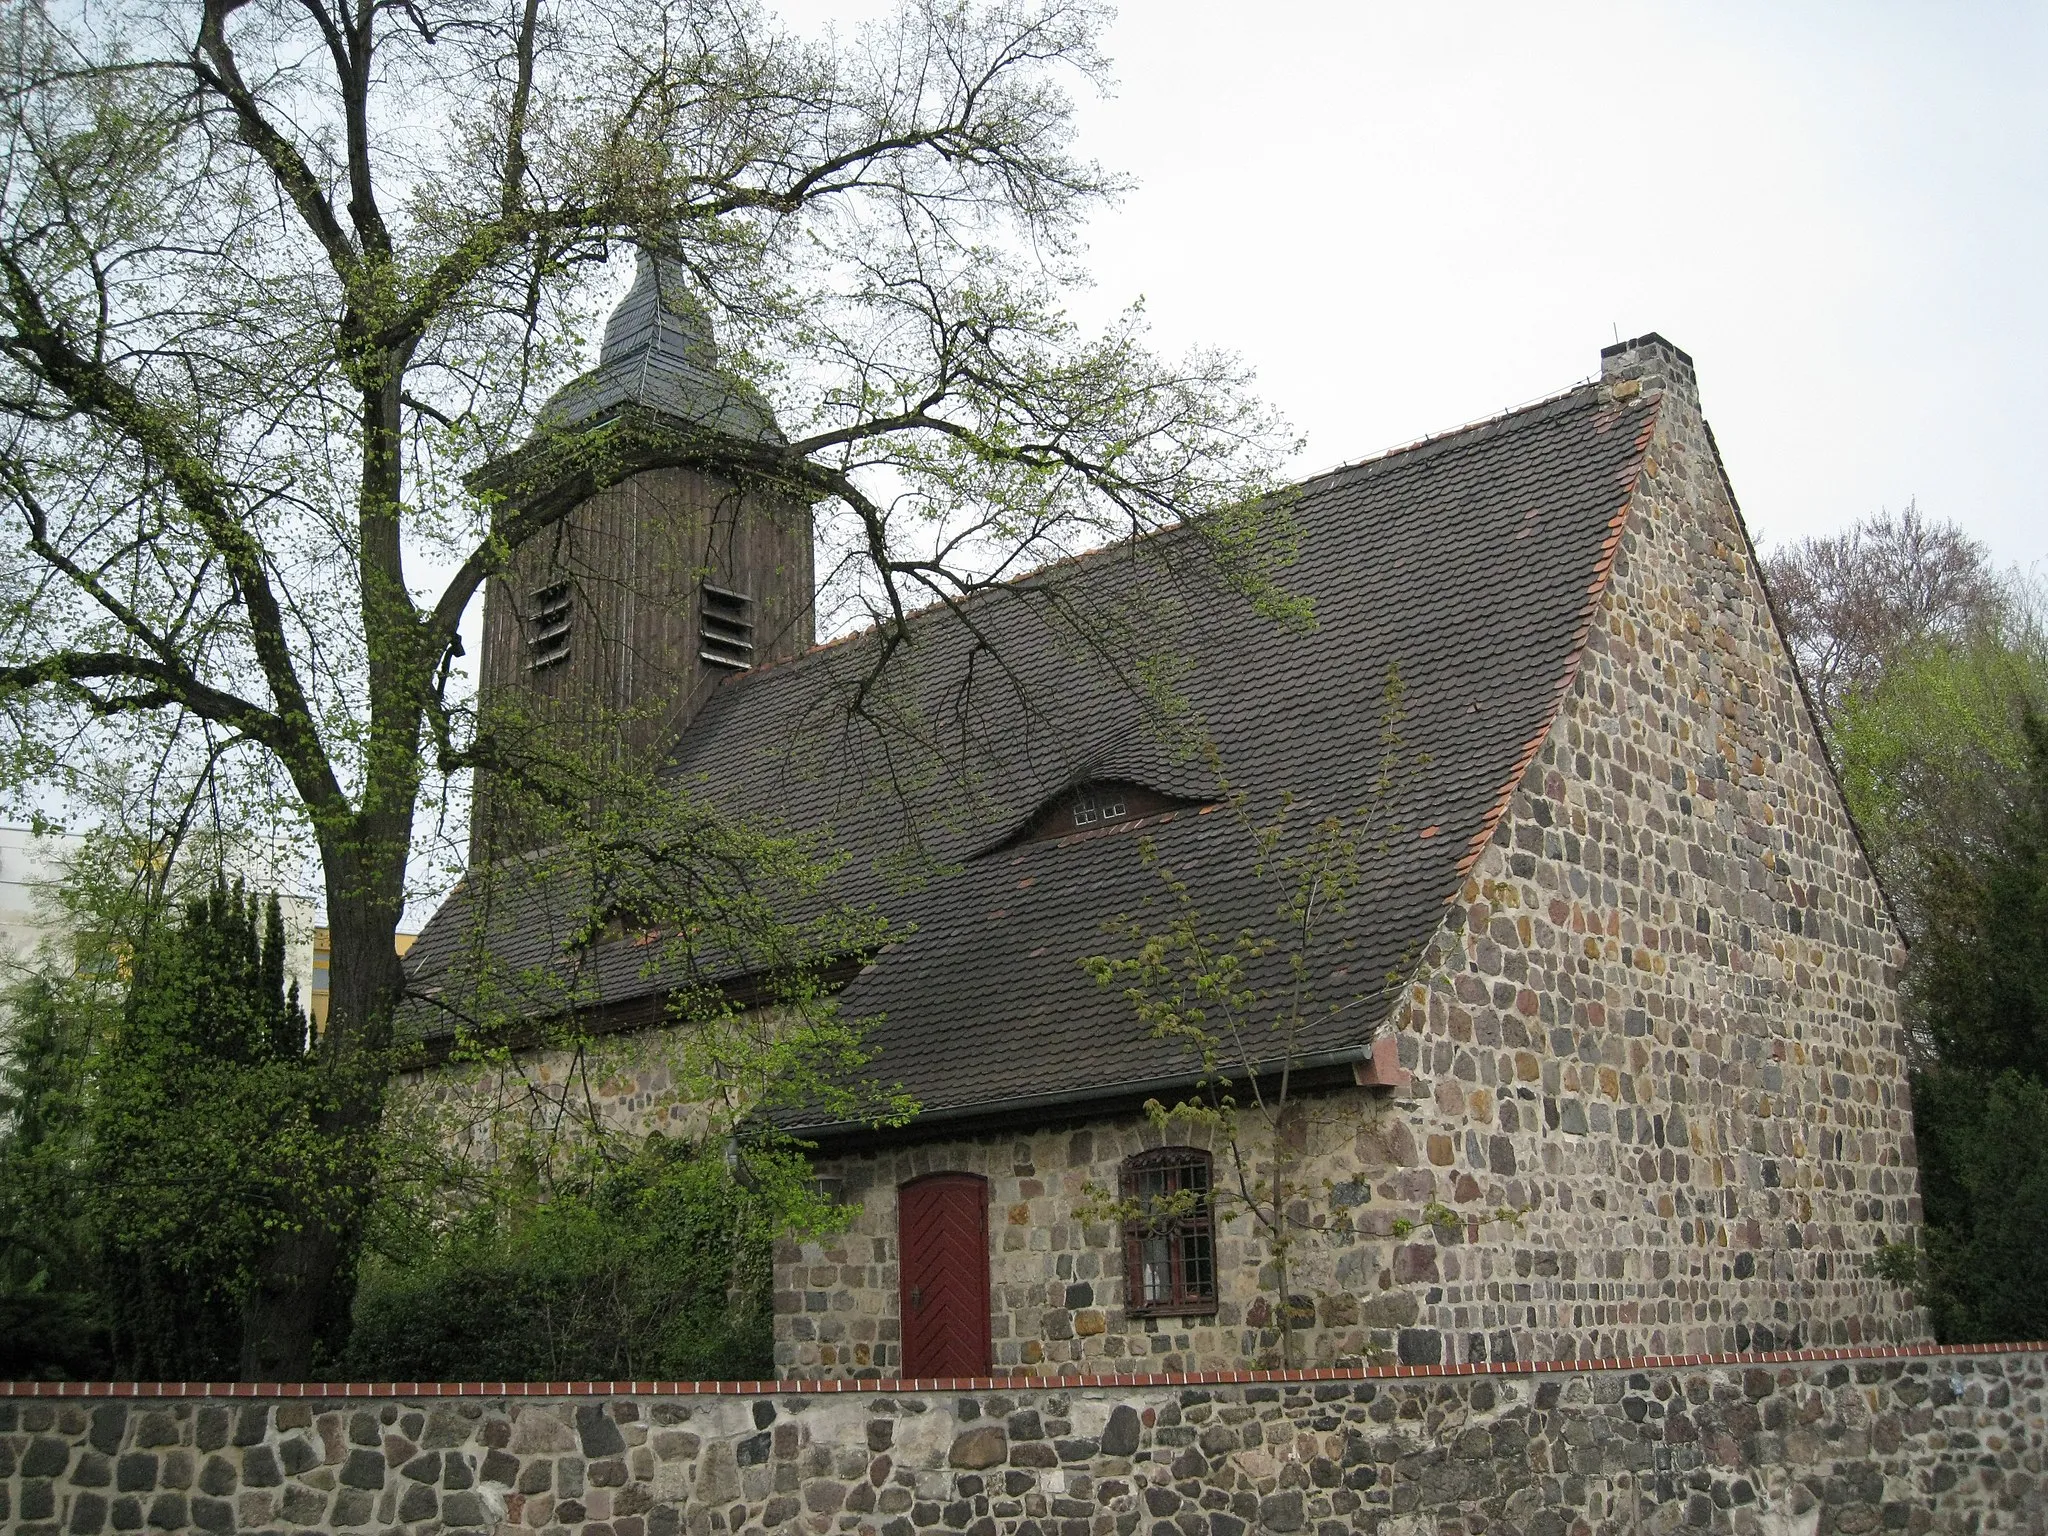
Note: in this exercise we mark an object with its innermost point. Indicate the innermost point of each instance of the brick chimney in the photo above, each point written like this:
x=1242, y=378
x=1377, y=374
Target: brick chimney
x=1650, y=363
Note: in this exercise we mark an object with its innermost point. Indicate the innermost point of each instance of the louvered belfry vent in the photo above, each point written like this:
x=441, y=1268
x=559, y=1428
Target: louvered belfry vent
x=547, y=631
x=725, y=628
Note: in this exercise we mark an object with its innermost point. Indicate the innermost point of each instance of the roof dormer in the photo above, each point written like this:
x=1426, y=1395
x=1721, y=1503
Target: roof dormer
x=1096, y=805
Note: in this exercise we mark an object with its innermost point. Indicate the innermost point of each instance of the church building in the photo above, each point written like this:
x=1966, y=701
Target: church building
x=1606, y=1054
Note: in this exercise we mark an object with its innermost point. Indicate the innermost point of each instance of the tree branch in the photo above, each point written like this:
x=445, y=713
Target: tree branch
x=92, y=386
x=39, y=544
x=168, y=686
x=224, y=78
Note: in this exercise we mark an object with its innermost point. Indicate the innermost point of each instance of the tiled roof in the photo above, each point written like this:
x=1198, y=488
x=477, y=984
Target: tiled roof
x=1470, y=562
x=659, y=355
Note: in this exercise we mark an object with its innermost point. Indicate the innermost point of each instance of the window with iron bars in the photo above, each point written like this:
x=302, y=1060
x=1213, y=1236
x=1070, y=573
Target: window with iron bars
x=1169, y=1243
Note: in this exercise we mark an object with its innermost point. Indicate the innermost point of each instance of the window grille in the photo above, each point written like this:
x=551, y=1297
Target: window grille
x=1099, y=802
x=725, y=628
x=547, y=632
x=1169, y=1242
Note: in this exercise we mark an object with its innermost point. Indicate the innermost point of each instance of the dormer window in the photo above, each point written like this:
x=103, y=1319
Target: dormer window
x=1096, y=806
x=547, y=631
x=616, y=921
x=725, y=628
x=625, y=923
x=1097, y=803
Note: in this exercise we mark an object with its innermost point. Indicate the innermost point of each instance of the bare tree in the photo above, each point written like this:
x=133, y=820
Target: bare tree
x=1852, y=602
x=278, y=276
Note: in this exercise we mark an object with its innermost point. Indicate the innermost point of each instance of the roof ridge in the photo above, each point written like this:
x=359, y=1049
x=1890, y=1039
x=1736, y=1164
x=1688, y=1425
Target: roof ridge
x=1065, y=562
x=1539, y=409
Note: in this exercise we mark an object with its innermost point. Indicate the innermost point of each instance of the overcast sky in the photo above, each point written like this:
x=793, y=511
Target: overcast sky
x=1408, y=216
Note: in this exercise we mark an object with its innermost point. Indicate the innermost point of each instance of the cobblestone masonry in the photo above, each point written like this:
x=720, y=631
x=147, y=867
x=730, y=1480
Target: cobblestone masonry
x=1663, y=1014
x=1056, y=1283
x=1660, y=1021
x=1795, y=1447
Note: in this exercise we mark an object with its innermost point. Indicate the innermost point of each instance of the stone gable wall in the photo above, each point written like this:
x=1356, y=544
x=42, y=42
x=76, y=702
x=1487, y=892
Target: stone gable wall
x=1758, y=1447
x=1663, y=1014
x=1660, y=1023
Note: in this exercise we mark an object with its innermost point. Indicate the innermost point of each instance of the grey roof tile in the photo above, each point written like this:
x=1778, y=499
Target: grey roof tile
x=1468, y=561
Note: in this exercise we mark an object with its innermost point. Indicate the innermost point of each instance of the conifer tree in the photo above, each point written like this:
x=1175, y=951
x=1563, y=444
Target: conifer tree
x=52, y=1313
x=1981, y=979
x=200, y=1129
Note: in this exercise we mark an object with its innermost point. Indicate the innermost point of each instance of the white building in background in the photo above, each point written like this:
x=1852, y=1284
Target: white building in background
x=30, y=923
x=299, y=915
x=33, y=929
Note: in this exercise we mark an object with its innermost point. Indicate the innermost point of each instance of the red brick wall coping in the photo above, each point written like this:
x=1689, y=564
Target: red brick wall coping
x=405, y=1389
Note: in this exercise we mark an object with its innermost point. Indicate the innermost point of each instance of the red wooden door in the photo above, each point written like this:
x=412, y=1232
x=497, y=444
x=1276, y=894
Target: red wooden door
x=942, y=1243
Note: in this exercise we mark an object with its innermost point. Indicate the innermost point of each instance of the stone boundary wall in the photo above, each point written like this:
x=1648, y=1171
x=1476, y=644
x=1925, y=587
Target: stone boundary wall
x=1805, y=1443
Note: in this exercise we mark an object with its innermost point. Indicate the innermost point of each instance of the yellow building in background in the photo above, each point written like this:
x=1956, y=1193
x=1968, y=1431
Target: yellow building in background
x=323, y=955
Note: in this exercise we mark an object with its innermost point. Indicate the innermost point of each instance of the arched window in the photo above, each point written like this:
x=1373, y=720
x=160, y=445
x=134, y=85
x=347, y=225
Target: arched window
x=1169, y=1241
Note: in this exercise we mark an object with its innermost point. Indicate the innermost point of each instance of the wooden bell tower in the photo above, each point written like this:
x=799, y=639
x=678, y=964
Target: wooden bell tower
x=621, y=618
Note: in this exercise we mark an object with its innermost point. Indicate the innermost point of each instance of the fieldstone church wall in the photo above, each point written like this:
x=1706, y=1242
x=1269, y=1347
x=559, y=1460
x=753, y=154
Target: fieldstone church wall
x=1659, y=1022
x=1658, y=1026
x=1056, y=1281
x=1946, y=1442
x=1663, y=1015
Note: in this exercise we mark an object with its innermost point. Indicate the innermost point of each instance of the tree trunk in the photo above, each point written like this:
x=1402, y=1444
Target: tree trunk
x=1286, y=1280
x=297, y=1313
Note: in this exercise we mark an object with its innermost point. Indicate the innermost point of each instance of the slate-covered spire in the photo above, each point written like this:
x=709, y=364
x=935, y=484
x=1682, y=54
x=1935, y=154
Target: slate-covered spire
x=660, y=356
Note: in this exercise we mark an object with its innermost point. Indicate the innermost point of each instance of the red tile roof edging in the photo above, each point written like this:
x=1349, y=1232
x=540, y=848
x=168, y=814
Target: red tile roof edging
x=411, y=1389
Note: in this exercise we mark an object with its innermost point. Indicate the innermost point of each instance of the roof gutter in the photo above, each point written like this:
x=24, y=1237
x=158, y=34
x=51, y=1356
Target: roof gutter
x=1356, y=1065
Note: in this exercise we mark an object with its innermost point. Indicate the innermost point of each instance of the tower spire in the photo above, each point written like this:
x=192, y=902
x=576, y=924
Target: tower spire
x=660, y=355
